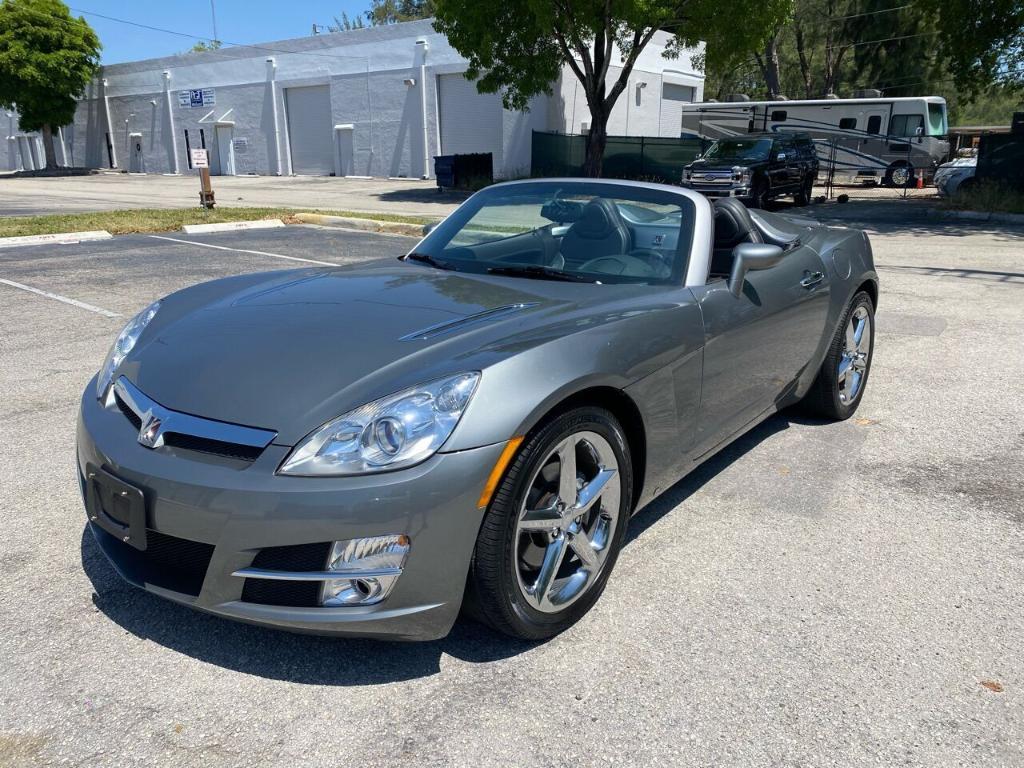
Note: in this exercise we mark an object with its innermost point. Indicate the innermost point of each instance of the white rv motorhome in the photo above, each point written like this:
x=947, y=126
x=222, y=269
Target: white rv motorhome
x=894, y=140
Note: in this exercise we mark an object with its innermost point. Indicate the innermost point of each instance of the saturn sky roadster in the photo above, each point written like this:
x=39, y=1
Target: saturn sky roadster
x=468, y=428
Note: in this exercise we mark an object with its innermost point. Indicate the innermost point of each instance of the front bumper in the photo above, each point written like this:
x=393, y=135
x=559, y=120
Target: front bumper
x=229, y=512
x=719, y=190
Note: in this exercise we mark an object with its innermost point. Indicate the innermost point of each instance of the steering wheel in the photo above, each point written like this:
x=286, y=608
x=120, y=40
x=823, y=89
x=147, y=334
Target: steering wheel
x=656, y=260
x=618, y=265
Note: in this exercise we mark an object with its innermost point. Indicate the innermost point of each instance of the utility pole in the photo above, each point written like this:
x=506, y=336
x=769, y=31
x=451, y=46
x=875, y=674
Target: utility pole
x=213, y=15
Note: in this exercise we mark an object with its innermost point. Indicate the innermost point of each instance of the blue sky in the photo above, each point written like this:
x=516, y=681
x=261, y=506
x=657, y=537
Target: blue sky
x=238, y=21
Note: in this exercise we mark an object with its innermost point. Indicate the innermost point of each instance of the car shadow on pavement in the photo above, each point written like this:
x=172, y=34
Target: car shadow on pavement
x=671, y=498
x=277, y=654
x=312, y=659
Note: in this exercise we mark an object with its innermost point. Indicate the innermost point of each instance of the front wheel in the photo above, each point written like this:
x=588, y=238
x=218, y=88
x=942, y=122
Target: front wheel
x=839, y=386
x=552, y=534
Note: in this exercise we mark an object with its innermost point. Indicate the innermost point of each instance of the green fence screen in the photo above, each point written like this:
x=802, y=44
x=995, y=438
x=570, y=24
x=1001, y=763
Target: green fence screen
x=647, y=158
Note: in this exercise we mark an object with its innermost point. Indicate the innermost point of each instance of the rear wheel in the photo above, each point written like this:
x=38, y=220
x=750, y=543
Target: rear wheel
x=803, y=195
x=759, y=194
x=552, y=534
x=839, y=386
x=899, y=174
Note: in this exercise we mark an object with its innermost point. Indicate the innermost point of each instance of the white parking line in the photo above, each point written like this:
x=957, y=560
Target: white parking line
x=65, y=299
x=243, y=250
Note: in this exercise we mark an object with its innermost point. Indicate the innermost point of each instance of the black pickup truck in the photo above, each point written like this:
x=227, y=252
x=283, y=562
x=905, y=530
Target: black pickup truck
x=756, y=167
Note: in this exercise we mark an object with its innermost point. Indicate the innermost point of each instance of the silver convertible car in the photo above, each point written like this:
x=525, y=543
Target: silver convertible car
x=370, y=450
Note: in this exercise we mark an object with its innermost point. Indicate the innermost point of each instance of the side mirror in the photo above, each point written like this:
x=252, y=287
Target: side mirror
x=747, y=257
x=428, y=228
x=781, y=157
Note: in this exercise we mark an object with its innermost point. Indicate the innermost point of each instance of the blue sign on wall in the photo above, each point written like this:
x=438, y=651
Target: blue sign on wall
x=197, y=97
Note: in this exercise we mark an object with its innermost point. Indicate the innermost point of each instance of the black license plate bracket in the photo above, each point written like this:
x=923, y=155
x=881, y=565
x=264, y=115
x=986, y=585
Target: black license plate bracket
x=119, y=508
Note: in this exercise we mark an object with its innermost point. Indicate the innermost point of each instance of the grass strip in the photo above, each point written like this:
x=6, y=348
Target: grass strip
x=141, y=220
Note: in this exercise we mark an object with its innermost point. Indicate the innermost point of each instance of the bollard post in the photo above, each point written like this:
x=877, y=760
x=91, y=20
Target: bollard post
x=201, y=162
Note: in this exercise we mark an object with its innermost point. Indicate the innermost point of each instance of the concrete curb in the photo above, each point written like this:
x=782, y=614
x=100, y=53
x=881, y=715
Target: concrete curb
x=364, y=225
x=979, y=216
x=63, y=238
x=231, y=226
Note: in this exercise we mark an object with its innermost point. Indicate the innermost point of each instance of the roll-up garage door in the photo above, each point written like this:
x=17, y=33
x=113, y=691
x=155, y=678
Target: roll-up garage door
x=470, y=121
x=310, y=130
x=672, y=99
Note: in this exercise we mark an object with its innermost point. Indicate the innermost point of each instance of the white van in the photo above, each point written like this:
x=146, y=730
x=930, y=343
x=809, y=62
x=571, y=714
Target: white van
x=892, y=140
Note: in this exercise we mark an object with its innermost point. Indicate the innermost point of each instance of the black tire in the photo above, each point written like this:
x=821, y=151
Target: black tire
x=493, y=594
x=895, y=169
x=803, y=195
x=825, y=397
x=967, y=186
x=759, y=195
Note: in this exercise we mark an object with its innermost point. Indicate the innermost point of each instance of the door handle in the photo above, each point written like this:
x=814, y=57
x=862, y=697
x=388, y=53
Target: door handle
x=811, y=279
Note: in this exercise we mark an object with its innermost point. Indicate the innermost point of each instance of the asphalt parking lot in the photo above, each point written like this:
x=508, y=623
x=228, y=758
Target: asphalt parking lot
x=817, y=595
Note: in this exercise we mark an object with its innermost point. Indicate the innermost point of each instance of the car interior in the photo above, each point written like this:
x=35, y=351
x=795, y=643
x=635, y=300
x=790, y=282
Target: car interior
x=599, y=237
x=606, y=237
x=734, y=224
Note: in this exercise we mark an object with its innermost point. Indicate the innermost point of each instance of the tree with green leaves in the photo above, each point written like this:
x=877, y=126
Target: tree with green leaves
x=203, y=46
x=983, y=40
x=345, y=23
x=518, y=47
x=47, y=58
x=394, y=11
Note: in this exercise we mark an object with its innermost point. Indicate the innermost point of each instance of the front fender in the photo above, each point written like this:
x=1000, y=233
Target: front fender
x=517, y=392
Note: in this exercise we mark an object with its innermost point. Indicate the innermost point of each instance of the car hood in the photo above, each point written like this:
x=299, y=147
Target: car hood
x=699, y=166
x=960, y=162
x=290, y=351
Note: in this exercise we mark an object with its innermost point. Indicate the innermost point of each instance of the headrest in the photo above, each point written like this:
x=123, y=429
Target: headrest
x=733, y=223
x=599, y=219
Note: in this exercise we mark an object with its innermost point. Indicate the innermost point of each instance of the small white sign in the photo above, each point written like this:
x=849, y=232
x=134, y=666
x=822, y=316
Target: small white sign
x=200, y=159
x=241, y=144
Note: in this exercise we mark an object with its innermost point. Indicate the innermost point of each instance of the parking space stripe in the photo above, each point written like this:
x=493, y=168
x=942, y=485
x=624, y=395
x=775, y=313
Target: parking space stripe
x=244, y=250
x=58, y=297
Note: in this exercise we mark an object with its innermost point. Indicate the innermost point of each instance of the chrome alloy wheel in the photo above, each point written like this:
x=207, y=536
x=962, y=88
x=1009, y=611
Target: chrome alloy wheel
x=853, y=363
x=567, y=522
x=901, y=176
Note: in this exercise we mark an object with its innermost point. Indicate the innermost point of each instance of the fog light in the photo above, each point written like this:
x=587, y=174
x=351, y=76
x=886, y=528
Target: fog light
x=367, y=570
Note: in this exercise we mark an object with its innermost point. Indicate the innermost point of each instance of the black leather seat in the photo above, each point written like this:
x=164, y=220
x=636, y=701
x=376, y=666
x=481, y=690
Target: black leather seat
x=600, y=231
x=733, y=226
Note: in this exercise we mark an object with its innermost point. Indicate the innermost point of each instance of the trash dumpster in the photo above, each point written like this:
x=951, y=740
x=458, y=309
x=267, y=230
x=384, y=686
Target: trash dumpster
x=473, y=171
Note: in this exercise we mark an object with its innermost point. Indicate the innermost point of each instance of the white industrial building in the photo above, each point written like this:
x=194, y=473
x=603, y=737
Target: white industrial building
x=380, y=101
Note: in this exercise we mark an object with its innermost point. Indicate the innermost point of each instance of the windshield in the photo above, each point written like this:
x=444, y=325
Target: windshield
x=937, y=120
x=570, y=230
x=739, y=149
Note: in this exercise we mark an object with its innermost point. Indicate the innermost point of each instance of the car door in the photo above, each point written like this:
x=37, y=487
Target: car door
x=756, y=346
x=776, y=168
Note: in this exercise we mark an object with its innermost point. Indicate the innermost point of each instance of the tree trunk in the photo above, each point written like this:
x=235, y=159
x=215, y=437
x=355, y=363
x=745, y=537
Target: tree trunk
x=771, y=66
x=805, y=64
x=51, y=154
x=597, y=139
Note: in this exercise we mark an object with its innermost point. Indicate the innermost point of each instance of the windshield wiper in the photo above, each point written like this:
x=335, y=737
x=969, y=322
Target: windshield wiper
x=537, y=271
x=426, y=258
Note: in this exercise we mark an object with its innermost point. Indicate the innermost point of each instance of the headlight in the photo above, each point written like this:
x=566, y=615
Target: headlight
x=122, y=346
x=393, y=432
x=687, y=174
x=741, y=174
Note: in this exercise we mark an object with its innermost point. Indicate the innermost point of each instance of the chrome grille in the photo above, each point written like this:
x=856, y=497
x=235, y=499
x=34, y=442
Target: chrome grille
x=185, y=431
